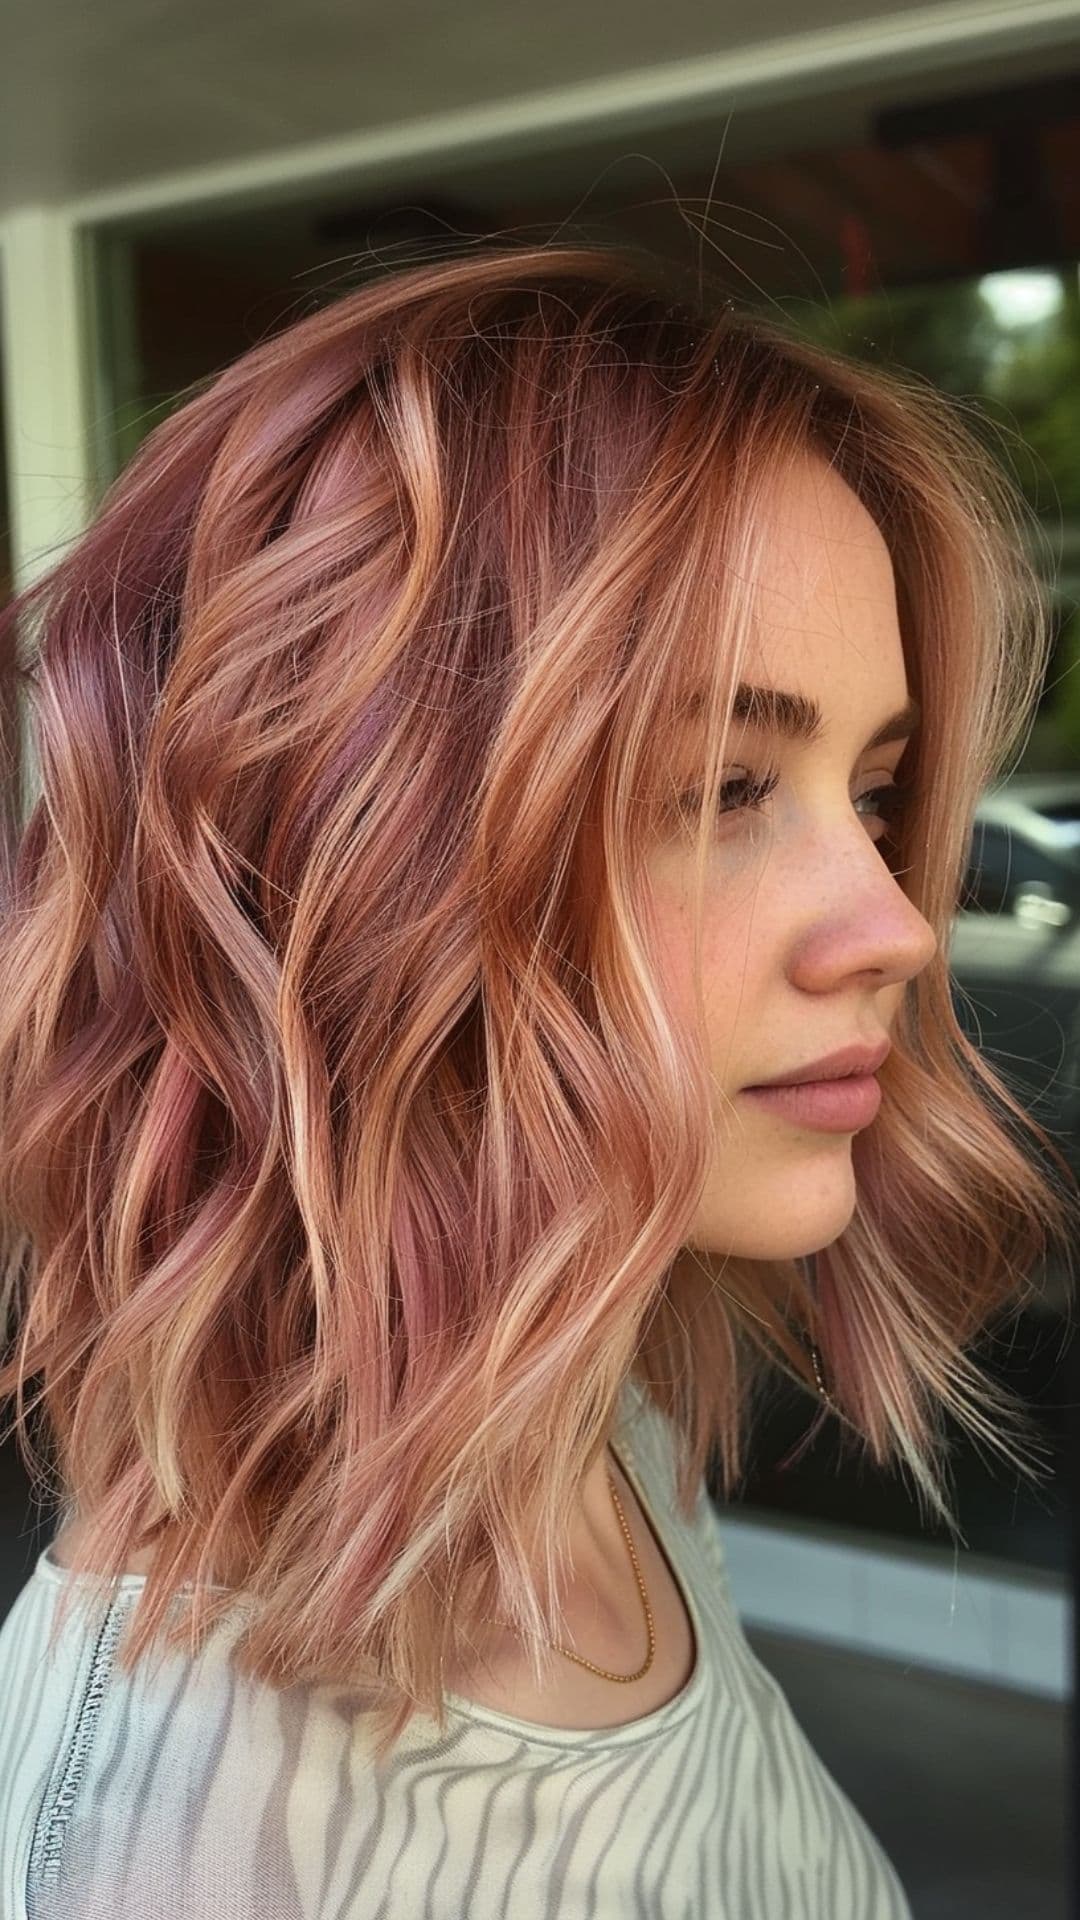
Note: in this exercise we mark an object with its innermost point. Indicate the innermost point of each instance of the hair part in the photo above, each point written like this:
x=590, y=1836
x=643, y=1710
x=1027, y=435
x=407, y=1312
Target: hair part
x=348, y=1149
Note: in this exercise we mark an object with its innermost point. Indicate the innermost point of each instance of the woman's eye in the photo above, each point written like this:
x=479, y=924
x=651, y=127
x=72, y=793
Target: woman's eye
x=754, y=791
x=891, y=800
x=747, y=793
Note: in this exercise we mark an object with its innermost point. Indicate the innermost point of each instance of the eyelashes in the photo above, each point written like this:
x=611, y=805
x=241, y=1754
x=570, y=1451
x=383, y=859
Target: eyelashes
x=892, y=799
x=754, y=789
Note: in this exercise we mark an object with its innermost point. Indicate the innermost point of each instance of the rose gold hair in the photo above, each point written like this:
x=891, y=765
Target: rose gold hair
x=348, y=1150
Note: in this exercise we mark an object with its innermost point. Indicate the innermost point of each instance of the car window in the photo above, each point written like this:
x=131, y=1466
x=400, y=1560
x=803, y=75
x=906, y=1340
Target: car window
x=1000, y=862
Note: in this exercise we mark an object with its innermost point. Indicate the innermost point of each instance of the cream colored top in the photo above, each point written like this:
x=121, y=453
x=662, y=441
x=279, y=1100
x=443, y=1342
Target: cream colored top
x=190, y=1793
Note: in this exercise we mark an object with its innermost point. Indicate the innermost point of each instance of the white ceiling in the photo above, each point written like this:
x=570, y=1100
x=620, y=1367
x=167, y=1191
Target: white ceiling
x=100, y=97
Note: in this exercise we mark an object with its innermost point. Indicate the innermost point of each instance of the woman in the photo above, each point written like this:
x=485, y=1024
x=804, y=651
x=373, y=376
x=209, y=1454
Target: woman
x=488, y=730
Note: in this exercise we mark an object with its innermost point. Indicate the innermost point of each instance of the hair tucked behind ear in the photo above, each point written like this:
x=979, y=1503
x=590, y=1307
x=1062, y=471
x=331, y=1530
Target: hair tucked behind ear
x=348, y=1150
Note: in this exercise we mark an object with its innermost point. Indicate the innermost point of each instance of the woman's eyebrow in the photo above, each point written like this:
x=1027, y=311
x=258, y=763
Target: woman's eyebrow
x=795, y=716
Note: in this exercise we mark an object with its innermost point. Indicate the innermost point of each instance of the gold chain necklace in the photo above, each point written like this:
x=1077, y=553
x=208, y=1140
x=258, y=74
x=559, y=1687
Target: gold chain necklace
x=816, y=1361
x=624, y=1679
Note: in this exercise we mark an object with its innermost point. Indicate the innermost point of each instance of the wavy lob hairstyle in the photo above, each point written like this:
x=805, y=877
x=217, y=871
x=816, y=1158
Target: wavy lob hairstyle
x=348, y=1149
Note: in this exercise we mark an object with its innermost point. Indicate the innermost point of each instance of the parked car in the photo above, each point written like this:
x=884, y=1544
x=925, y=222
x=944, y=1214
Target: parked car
x=1056, y=795
x=1015, y=950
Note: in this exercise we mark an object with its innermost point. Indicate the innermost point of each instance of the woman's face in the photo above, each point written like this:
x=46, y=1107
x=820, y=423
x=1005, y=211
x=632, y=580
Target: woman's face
x=808, y=938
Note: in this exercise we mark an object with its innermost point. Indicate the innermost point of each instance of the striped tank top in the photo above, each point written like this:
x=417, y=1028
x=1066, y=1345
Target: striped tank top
x=188, y=1792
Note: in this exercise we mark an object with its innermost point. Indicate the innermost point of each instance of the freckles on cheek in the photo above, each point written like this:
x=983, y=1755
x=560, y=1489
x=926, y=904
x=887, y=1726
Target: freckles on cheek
x=723, y=956
x=673, y=956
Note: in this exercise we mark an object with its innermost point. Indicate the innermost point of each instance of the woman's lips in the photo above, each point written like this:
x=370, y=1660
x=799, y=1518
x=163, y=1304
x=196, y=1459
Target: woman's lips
x=832, y=1106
